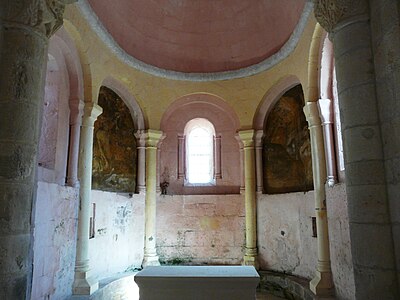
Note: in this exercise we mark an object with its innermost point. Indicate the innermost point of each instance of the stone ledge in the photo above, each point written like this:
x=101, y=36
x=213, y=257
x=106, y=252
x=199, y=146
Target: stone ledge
x=287, y=286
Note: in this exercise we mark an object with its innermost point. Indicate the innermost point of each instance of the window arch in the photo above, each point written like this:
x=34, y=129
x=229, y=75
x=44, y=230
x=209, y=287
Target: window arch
x=199, y=154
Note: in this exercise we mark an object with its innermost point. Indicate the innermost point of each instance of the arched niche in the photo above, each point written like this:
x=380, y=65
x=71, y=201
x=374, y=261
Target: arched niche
x=62, y=112
x=226, y=156
x=114, y=145
x=287, y=165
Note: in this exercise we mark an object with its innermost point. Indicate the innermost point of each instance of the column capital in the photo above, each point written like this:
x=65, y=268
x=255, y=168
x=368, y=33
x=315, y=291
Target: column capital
x=76, y=107
x=247, y=137
x=325, y=111
x=258, y=138
x=312, y=115
x=44, y=16
x=331, y=13
x=152, y=137
x=90, y=113
x=140, y=136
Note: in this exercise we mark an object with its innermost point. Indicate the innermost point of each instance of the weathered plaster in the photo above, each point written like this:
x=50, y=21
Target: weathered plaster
x=55, y=241
x=285, y=233
x=202, y=229
x=119, y=233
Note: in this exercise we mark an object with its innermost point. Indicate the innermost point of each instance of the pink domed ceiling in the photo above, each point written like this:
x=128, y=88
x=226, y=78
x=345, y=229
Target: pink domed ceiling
x=199, y=35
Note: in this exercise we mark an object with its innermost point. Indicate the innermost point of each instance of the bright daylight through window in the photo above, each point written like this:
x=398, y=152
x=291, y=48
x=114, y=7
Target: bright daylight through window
x=199, y=151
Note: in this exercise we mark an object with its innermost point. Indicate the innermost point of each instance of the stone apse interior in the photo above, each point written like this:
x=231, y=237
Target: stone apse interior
x=262, y=95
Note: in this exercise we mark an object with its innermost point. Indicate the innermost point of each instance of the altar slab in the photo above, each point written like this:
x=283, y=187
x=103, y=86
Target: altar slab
x=197, y=283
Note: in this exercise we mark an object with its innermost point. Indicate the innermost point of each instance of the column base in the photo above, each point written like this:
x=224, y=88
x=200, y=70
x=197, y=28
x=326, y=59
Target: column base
x=84, y=284
x=322, y=284
x=150, y=261
x=141, y=190
x=251, y=260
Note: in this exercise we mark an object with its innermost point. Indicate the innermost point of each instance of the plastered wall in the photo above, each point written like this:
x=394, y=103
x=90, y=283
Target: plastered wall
x=54, y=241
x=119, y=233
x=284, y=235
x=200, y=229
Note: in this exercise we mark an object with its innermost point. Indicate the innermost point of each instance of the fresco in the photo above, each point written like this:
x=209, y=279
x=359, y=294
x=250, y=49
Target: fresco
x=286, y=146
x=114, y=146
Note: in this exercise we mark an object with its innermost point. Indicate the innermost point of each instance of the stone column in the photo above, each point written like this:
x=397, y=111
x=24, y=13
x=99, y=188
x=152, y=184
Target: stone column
x=141, y=161
x=217, y=157
x=370, y=227
x=181, y=156
x=250, y=257
x=84, y=284
x=326, y=112
x=259, y=163
x=25, y=27
x=158, y=163
x=321, y=284
x=241, y=157
x=76, y=111
x=150, y=258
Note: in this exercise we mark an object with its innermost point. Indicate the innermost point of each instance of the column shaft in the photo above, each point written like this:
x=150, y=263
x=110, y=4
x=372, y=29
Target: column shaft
x=259, y=163
x=325, y=108
x=150, y=258
x=250, y=257
x=83, y=283
x=322, y=283
x=369, y=215
x=141, y=162
x=75, y=126
x=24, y=37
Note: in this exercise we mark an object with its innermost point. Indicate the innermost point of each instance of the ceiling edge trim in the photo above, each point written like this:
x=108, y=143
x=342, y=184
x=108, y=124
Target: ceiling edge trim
x=264, y=65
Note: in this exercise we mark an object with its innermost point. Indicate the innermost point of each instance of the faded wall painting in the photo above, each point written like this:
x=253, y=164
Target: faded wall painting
x=114, y=146
x=286, y=146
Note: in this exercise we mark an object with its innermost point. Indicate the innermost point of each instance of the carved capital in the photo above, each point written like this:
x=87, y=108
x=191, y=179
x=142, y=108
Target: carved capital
x=247, y=138
x=329, y=13
x=45, y=16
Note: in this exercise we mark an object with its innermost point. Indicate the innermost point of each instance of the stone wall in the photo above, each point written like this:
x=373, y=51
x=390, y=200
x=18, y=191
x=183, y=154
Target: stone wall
x=200, y=229
x=284, y=234
x=119, y=233
x=339, y=241
x=54, y=241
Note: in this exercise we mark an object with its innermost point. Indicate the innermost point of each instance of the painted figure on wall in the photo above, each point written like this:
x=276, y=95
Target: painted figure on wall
x=114, y=146
x=286, y=147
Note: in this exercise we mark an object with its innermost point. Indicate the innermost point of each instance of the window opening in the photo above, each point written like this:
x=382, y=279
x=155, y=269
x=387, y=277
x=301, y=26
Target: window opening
x=199, y=152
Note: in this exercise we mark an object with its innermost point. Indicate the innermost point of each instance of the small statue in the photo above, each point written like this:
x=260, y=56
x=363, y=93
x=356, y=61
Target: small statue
x=164, y=186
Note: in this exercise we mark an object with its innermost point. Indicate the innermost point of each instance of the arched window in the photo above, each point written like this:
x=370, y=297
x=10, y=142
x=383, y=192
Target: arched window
x=199, y=151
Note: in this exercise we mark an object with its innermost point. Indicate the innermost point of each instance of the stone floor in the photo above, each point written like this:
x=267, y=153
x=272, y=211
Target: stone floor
x=266, y=296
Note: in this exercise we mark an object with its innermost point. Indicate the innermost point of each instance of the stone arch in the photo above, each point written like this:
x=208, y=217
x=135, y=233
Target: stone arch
x=226, y=124
x=88, y=94
x=286, y=145
x=114, y=145
x=270, y=98
x=207, y=99
x=53, y=144
x=129, y=100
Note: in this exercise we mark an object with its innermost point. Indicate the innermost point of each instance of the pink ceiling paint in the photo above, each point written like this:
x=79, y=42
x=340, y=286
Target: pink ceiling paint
x=200, y=36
